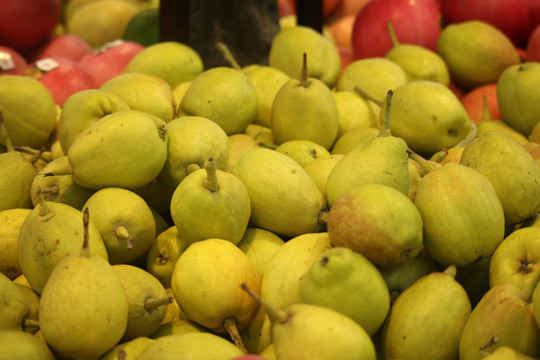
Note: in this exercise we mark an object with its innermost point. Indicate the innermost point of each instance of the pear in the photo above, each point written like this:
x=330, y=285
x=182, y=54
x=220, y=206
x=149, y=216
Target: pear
x=303, y=151
x=427, y=319
x=516, y=96
x=147, y=300
x=206, y=271
x=346, y=281
x=354, y=111
x=269, y=352
x=506, y=353
x=319, y=169
x=284, y=199
x=239, y=144
x=475, y=52
x=305, y=109
x=258, y=335
x=19, y=345
x=503, y=317
x=45, y=238
x=536, y=303
x=11, y=221
x=379, y=159
x=178, y=93
x=512, y=171
x=19, y=311
x=285, y=270
x=173, y=312
x=128, y=350
x=157, y=195
x=418, y=62
x=192, y=140
x=224, y=95
x=190, y=346
x=83, y=310
x=291, y=42
x=125, y=222
x=59, y=187
x=473, y=224
x=349, y=140
x=487, y=124
x=125, y=149
x=260, y=246
x=211, y=203
x=260, y=134
x=177, y=327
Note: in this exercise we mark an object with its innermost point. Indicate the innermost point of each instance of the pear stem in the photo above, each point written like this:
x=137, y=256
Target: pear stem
x=122, y=232
x=385, y=126
x=211, y=183
x=364, y=94
x=53, y=190
x=392, y=33
x=192, y=167
x=30, y=323
x=304, y=80
x=275, y=314
x=42, y=203
x=153, y=303
x=232, y=329
x=451, y=271
x=439, y=156
x=5, y=135
x=426, y=165
x=85, y=251
x=226, y=52
x=268, y=145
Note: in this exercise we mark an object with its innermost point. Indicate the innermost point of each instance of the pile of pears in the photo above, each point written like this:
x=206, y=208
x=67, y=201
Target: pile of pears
x=288, y=210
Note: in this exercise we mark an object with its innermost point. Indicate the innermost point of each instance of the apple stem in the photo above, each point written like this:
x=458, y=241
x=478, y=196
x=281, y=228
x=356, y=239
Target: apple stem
x=232, y=329
x=5, y=135
x=426, y=165
x=122, y=232
x=367, y=96
x=226, y=52
x=42, y=203
x=392, y=33
x=486, y=116
x=304, y=80
x=211, y=182
x=30, y=323
x=385, y=126
x=153, y=303
x=275, y=314
x=85, y=251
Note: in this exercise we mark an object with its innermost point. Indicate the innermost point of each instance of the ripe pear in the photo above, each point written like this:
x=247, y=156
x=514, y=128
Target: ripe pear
x=285, y=270
x=303, y=151
x=346, y=281
x=83, y=310
x=192, y=140
x=475, y=52
x=305, y=109
x=289, y=45
x=258, y=335
x=125, y=222
x=224, y=95
x=427, y=319
x=177, y=327
x=260, y=246
x=18, y=311
x=487, y=124
x=473, y=224
x=45, y=238
x=206, y=271
x=536, y=303
x=11, y=221
x=239, y=144
x=377, y=221
x=211, y=203
x=319, y=169
x=506, y=353
x=354, y=111
x=19, y=345
x=260, y=134
x=128, y=350
x=147, y=300
x=349, y=140
x=503, y=317
x=178, y=93
x=512, y=171
x=379, y=158
x=125, y=149
x=284, y=199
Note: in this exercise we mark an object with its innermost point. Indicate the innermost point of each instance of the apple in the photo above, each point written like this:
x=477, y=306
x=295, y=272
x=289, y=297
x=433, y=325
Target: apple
x=534, y=13
x=26, y=23
x=62, y=77
x=532, y=51
x=414, y=22
x=11, y=61
x=69, y=46
x=474, y=104
x=341, y=30
x=110, y=60
x=285, y=8
x=350, y=7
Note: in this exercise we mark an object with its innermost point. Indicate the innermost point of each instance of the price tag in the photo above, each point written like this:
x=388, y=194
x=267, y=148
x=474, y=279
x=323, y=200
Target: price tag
x=6, y=61
x=110, y=44
x=46, y=64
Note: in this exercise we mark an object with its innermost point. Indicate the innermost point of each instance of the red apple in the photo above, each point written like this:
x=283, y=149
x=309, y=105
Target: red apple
x=11, y=62
x=534, y=14
x=532, y=52
x=62, y=77
x=509, y=16
x=285, y=8
x=109, y=61
x=473, y=102
x=350, y=7
x=414, y=22
x=26, y=23
x=341, y=30
x=68, y=46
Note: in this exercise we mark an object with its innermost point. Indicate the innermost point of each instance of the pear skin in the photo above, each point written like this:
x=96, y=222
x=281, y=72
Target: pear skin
x=19, y=345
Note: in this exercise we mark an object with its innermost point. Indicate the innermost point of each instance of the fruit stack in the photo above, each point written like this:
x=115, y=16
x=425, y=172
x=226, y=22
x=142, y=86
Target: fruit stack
x=371, y=192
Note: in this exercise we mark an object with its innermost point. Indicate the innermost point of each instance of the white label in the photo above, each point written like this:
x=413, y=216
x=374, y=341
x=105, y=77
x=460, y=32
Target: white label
x=6, y=61
x=46, y=64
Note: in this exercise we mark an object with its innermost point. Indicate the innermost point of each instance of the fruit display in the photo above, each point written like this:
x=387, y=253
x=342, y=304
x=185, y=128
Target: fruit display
x=370, y=191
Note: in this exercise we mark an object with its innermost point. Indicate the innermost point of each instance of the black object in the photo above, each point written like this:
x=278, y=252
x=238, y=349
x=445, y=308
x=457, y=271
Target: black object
x=310, y=13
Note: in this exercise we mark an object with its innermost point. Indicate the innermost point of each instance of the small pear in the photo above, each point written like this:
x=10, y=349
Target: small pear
x=354, y=111
x=303, y=151
x=319, y=169
x=506, y=353
x=19, y=345
x=239, y=144
x=349, y=140
x=18, y=311
x=177, y=327
x=260, y=246
x=10, y=224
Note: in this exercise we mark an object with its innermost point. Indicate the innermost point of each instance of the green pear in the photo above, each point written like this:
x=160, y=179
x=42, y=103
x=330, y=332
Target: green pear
x=427, y=319
x=506, y=353
x=190, y=346
x=418, y=62
x=260, y=246
x=350, y=139
x=438, y=121
x=258, y=335
x=11, y=221
x=319, y=169
x=503, y=317
x=379, y=158
x=239, y=144
x=206, y=271
x=516, y=96
x=475, y=52
x=19, y=345
x=269, y=352
x=83, y=309
x=354, y=111
x=305, y=109
x=346, y=281
x=82, y=109
x=111, y=153
x=171, y=61
x=56, y=150
x=45, y=238
x=178, y=93
x=211, y=203
x=18, y=311
x=177, y=327
x=284, y=199
x=192, y=140
x=143, y=92
x=473, y=224
x=511, y=170
x=127, y=350
x=291, y=42
x=223, y=95
x=487, y=124
x=260, y=134
x=27, y=125
x=303, y=151
x=285, y=270
x=125, y=222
